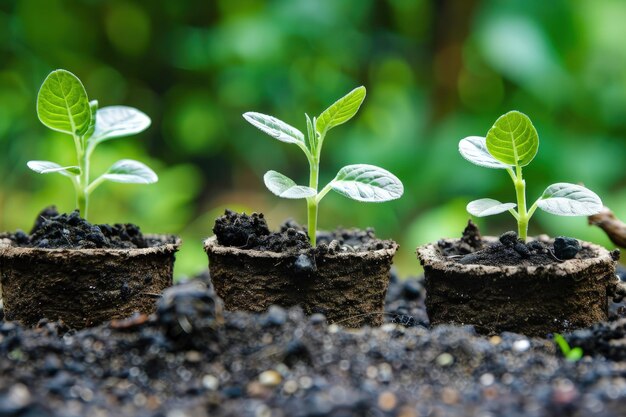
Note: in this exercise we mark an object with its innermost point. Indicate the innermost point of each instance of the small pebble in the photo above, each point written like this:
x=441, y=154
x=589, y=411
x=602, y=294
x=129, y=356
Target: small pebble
x=270, y=378
x=521, y=345
x=387, y=401
x=566, y=247
x=445, y=359
x=210, y=382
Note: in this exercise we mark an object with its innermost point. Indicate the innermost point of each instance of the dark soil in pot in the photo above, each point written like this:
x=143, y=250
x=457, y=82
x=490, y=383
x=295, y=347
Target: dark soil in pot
x=84, y=274
x=345, y=277
x=507, y=285
x=192, y=360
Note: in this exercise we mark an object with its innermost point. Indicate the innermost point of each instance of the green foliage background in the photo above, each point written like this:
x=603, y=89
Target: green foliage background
x=435, y=72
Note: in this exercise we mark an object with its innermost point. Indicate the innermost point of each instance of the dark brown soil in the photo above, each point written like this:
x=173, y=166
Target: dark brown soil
x=54, y=230
x=251, y=232
x=192, y=360
x=511, y=286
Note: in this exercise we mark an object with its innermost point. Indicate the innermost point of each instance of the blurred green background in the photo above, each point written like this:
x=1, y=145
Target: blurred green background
x=436, y=71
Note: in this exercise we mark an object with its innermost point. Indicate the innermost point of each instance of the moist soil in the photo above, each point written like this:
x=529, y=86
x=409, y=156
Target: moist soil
x=345, y=277
x=251, y=232
x=191, y=359
x=69, y=231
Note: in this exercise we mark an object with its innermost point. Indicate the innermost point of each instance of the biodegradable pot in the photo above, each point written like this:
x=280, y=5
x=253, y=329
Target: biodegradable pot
x=349, y=288
x=84, y=287
x=532, y=300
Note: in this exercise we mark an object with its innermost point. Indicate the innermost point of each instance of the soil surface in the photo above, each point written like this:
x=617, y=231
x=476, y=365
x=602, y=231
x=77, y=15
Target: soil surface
x=69, y=231
x=191, y=359
x=508, y=250
x=251, y=232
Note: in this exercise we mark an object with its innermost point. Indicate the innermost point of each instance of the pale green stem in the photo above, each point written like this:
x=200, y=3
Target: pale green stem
x=520, y=191
x=82, y=195
x=312, y=201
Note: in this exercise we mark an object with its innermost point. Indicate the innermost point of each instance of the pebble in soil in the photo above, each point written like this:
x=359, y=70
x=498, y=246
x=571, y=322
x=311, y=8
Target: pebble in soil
x=251, y=232
x=282, y=363
x=510, y=250
x=69, y=230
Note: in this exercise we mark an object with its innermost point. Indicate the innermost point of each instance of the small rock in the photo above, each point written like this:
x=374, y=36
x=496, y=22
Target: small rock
x=210, y=382
x=521, y=345
x=509, y=239
x=387, y=401
x=566, y=247
x=412, y=289
x=275, y=316
x=445, y=359
x=317, y=318
x=304, y=265
x=270, y=378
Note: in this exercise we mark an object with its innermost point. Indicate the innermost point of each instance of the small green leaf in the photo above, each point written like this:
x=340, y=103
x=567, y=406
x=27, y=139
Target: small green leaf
x=341, y=111
x=47, y=167
x=130, y=172
x=565, y=199
x=275, y=128
x=488, y=207
x=474, y=149
x=285, y=187
x=513, y=139
x=575, y=354
x=367, y=183
x=62, y=103
x=118, y=121
x=93, y=108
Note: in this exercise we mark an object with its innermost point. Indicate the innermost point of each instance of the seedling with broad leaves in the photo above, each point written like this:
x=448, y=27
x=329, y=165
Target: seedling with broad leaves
x=359, y=182
x=572, y=354
x=511, y=144
x=62, y=105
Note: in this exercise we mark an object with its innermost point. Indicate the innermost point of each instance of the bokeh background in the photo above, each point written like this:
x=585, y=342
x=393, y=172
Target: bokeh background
x=436, y=71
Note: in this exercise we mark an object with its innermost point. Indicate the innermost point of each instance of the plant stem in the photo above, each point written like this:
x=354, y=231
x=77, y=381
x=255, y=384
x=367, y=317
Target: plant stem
x=312, y=201
x=520, y=191
x=82, y=196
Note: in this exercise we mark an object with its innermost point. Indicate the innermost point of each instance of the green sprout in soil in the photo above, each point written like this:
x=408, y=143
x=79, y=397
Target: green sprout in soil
x=511, y=144
x=571, y=354
x=359, y=182
x=62, y=105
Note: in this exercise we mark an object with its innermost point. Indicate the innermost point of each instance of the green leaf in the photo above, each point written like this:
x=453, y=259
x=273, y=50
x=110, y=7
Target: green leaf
x=474, y=149
x=275, y=128
x=488, y=207
x=513, y=139
x=62, y=103
x=118, y=121
x=341, y=111
x=285, y=187
x=367, y=183
x=130, y=172
x=47, y=167
x=575, y=354
x=564, y=199
x=93, y=108
x=312, y=134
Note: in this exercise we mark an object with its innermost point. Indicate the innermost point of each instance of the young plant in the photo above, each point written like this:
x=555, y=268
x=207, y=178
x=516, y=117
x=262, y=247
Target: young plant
x=571, y=354
x=511, y=144
x=359, y=182
x=62, y=105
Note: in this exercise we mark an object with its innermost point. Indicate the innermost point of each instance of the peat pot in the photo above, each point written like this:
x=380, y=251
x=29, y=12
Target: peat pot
x=349, y=288
x=532, y=300
x=84, y=287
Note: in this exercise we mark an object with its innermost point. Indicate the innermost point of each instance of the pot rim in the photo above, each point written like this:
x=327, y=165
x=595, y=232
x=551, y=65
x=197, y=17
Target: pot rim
x=170, y=244
x=430, y=256
x=211, y=245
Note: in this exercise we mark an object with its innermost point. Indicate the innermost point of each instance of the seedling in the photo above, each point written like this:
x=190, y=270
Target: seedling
x=511, y=144
x=571, y=354
x=359, y=182
x=62, y=105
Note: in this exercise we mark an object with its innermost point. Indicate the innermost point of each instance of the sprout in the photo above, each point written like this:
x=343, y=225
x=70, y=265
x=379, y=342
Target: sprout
x=511, y=144
x=62, y=105
x=359, y=182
